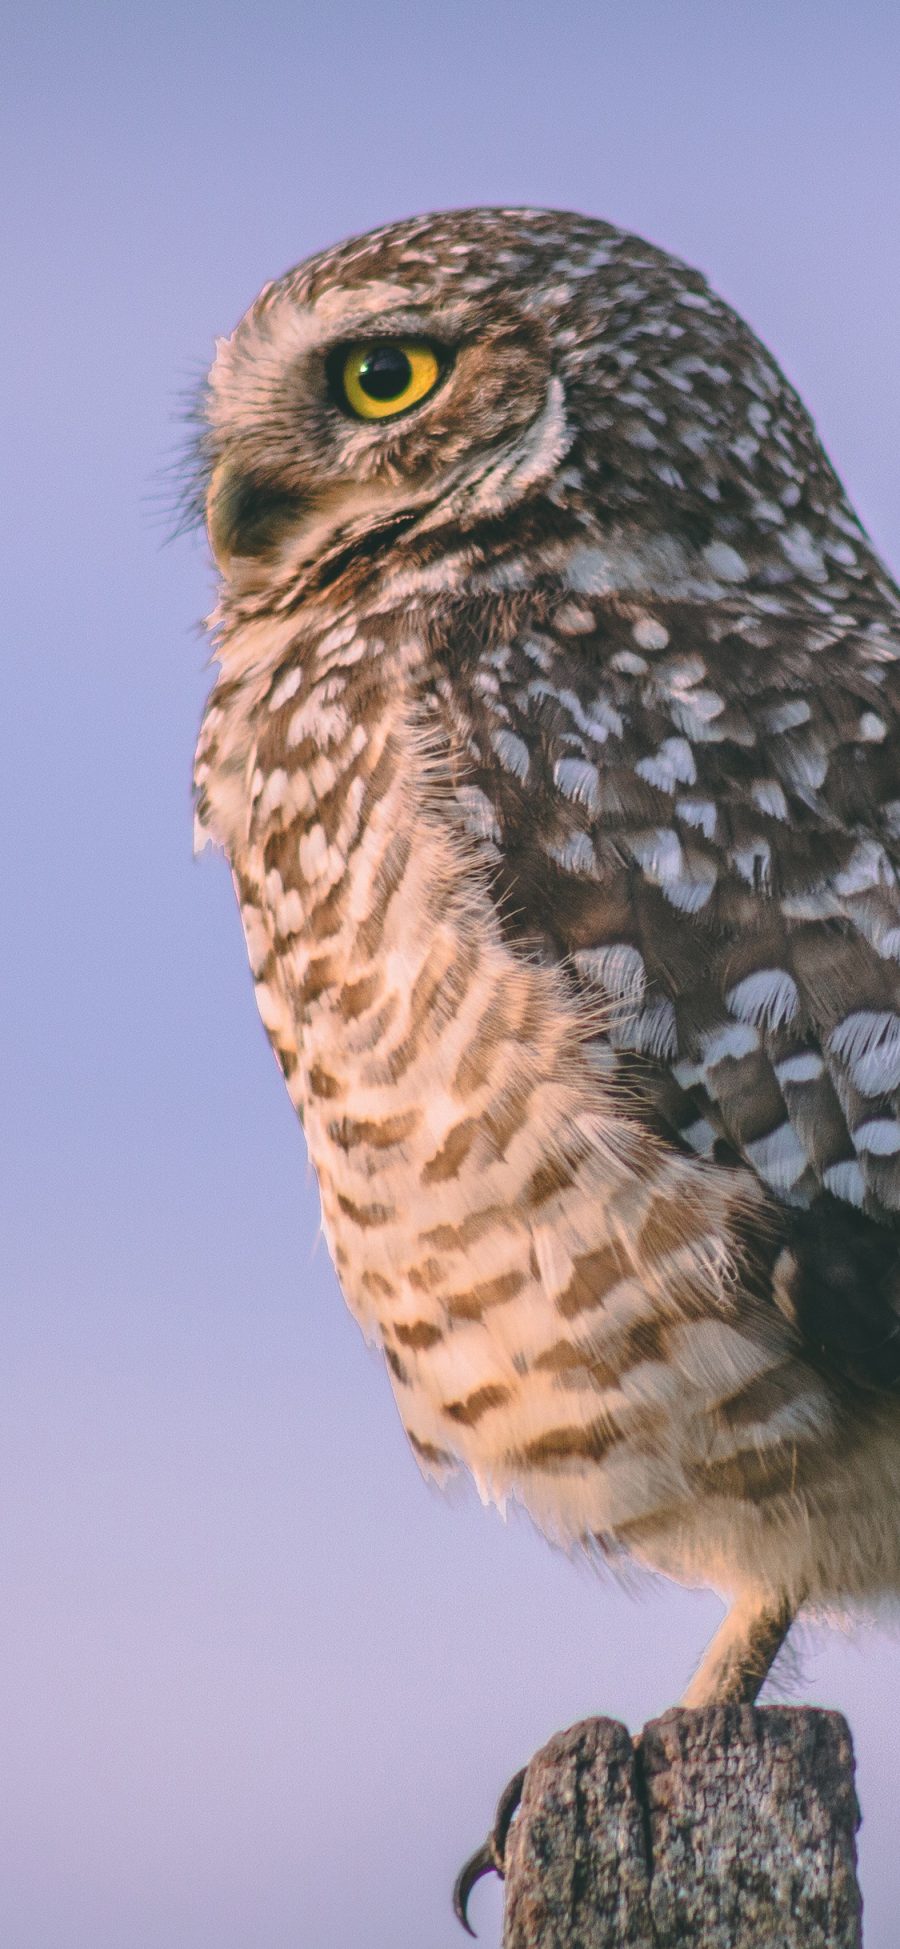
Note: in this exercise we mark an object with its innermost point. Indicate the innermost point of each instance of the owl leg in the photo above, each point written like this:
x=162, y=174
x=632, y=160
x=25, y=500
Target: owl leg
x=489, y=1858
x=739, y=1658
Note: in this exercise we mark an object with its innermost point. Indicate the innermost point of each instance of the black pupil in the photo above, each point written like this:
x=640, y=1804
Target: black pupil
x=386, y=372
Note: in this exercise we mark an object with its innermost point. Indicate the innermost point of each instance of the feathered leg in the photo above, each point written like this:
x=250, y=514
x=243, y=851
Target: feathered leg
x=740, y=1657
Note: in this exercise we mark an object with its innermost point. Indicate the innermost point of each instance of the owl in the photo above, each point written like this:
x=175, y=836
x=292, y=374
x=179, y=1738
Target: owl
x=555, y=748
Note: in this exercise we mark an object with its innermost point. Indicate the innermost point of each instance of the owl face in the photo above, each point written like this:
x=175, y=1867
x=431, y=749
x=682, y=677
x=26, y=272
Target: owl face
x=444, y=376
x=336, y=413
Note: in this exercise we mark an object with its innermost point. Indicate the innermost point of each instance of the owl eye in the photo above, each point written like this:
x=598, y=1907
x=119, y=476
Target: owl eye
x=377, y=381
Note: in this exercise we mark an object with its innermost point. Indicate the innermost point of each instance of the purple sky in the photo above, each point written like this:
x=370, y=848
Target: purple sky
x=259, y=1686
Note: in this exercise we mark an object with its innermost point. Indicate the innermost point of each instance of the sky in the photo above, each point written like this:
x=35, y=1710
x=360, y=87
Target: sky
x=260, y=1685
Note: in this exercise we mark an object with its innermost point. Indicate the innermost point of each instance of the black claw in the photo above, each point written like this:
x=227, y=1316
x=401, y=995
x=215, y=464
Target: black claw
x=480, y=1863
x=490, y=1857
x=506, y=1807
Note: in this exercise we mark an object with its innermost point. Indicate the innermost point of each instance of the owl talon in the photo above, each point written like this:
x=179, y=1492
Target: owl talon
x=490, y=1858
x=480, y=1863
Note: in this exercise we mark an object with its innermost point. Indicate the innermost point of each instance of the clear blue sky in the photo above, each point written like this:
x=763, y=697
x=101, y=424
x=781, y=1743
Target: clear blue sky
x=258, y=1685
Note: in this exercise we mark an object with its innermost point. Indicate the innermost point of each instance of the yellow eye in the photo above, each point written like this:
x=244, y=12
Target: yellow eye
x=378, y=380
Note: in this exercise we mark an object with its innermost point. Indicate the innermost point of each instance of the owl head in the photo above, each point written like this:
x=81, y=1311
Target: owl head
x=447, y=379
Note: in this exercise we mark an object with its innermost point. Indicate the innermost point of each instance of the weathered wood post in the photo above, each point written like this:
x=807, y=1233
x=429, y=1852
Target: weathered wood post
x=719, y=1828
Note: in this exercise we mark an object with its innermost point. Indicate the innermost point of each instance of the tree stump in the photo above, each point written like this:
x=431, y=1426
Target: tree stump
x=729, y=1827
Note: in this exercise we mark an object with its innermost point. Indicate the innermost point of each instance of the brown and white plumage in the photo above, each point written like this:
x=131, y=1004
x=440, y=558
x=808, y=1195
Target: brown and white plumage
x=555, y=751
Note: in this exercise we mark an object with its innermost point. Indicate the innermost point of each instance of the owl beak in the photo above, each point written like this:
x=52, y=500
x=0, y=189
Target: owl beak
x=245, y=517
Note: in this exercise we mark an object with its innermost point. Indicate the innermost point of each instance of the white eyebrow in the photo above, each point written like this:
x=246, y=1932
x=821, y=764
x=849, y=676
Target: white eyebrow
x=271, y=336
x=362, y=299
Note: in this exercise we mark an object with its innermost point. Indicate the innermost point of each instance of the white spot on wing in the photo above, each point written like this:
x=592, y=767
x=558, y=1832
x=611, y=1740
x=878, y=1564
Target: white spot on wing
x=701, y=1137
x=735, y=1040
x=695, y=711
x=659, y=854
x=787, y=716
x=578, y=780
x=802, y=553
x=752, y=862
x=769, y=797
x=576, y=855
x=725, y=562
x=698, y=812
x=692, y=889
x=845, y=1181
x=805, y=766
x=769, y=996
x=478, y=813
x=880, y=1137
x=869, y=1043
x=649, y=634
x=512, y=752
x=803, y=1068
x=617, y=968
x=655, y=1032
x=779, y=1157
x=868, y=866
x=673, y=764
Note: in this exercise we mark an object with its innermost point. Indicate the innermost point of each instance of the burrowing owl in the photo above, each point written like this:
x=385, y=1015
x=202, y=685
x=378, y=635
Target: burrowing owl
x=555, y=751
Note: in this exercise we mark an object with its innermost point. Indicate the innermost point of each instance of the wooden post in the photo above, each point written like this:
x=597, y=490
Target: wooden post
x=727, y=1827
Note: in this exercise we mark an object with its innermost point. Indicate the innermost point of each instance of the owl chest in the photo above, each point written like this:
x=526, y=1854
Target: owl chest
x=389, y=980
x=433, y=1068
